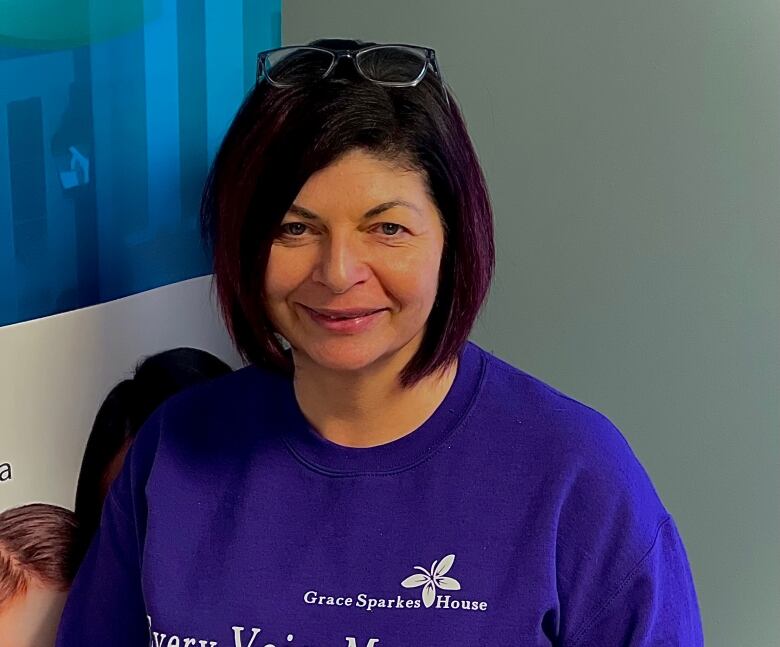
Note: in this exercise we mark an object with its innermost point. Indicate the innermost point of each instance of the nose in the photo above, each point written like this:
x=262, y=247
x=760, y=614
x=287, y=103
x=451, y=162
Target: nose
x=342, y=263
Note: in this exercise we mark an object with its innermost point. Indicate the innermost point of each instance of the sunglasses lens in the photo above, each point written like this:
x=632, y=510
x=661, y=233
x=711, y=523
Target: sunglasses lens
x=289, y=65
x=393, y=64
x=384, y=64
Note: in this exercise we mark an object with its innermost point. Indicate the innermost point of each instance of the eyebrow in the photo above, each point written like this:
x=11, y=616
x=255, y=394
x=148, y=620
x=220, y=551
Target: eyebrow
x=371, y=213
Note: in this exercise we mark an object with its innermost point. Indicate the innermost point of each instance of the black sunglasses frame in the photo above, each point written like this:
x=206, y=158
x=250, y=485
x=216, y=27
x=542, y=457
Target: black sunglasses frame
x=354, y=54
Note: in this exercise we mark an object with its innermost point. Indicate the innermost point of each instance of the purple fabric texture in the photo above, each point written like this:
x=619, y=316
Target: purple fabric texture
x=515, y=515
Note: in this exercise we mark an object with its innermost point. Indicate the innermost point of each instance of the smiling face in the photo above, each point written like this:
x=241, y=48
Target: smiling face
x=335, y=253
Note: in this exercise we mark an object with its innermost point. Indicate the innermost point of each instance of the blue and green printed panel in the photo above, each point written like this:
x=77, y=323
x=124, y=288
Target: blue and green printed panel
x=110, y=113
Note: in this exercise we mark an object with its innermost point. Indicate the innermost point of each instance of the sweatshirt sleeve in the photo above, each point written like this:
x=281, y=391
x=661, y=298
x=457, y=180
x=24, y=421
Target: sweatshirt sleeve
x=622, y=573
x=654, y=604
x=105, y=605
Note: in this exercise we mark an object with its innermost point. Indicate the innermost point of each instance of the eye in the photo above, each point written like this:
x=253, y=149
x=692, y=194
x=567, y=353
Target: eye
x=286, y=232
x=391, y=224
x=295, y=233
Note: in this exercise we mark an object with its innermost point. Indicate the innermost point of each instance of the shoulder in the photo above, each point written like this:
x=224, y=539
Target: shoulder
x=590, y=471
x=235, y=392
x=615, y=547
x=569, y=428
x=212, y=416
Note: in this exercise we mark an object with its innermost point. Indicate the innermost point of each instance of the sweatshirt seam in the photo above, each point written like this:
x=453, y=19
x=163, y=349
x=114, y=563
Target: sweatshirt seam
x=336, y=473
x=131, y=516
x=555, y=392
x=588, y=624
x=118, y=506
x=547, y=387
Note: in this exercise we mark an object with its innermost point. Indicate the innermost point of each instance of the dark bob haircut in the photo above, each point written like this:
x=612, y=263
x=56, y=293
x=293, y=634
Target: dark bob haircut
x=282, y=135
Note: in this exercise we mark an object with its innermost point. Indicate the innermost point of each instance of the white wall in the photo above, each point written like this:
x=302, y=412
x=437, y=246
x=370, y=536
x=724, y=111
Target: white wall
x=632, y=150
x=56, y=371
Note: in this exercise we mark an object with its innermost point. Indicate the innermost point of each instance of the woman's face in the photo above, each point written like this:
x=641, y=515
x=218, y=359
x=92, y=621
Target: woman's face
x=342, y=259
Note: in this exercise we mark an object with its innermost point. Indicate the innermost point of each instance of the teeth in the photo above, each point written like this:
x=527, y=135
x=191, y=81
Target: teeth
x=343, y=318
x=362, y=314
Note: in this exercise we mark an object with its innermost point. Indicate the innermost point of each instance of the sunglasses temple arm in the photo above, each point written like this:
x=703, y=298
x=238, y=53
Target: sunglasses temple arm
x=442, y=82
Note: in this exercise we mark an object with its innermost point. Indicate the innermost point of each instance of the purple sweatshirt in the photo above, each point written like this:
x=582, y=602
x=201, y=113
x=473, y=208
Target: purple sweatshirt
x=515, y=515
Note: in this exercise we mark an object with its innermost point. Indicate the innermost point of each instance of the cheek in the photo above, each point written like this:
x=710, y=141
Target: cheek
x=411, y=280
x=411, y=275
x=282, y=274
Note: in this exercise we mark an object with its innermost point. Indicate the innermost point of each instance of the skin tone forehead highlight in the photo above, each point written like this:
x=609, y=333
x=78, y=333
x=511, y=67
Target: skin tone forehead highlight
x=372, y=177
x=377, y=210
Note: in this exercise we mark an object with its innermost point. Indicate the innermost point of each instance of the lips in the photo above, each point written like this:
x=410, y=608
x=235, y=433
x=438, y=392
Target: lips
x=345, y=313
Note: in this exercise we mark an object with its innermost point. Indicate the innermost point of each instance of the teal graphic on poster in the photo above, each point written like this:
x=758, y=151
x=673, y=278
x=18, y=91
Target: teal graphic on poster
x=111, y=114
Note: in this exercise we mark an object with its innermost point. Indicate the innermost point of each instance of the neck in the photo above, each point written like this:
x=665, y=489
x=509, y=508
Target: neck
x=367, y=408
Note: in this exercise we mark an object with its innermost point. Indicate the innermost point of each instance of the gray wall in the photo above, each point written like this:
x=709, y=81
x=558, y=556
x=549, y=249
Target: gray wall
x=633, y=156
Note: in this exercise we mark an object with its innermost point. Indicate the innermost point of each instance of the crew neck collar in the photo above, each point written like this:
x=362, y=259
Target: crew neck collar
x=327, y=457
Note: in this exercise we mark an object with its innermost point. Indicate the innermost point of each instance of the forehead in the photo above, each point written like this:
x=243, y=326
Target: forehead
x=361, y=181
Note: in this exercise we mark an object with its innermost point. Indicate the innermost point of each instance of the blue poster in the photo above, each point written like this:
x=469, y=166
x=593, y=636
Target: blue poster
x=111, y=115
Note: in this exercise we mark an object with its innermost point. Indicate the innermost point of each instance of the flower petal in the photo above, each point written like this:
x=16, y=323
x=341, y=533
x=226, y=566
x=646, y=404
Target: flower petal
x=429, y=593
x=448, y=583
x=418, y=579
x=444, y=565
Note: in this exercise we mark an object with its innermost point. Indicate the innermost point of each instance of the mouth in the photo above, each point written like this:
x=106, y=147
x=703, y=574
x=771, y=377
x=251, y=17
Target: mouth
x=337, y=315
x=346, y=324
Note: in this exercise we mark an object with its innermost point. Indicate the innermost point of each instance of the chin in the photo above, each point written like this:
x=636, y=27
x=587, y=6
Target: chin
x=345, y=353
x=343, y=356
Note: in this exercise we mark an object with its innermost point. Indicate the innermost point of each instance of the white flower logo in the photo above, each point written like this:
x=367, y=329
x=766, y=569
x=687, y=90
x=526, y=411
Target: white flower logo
x=433, y=578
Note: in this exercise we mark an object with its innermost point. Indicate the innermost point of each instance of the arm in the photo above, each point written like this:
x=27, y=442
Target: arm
x=654, y=604
x=623, y=576
x=105, y=605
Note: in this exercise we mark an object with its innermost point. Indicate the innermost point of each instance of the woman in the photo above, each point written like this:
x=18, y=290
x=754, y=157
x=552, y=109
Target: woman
x=371, y=477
